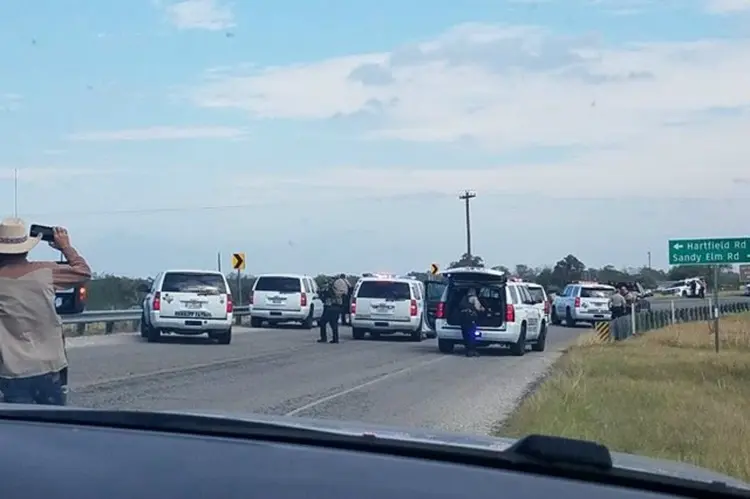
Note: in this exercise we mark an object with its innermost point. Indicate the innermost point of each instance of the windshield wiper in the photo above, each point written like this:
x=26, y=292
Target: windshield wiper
x=537, y=454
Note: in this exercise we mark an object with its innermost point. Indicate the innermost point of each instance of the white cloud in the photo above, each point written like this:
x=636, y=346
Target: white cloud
x=201, y=14
x=657, y=118
x=10, y=101
x=45, y=174
x=161, y=133
x=728, y=6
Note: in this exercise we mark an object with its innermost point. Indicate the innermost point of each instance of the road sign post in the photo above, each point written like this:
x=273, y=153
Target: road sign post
x=711, y=252
x=745, y=273
x=238, y=264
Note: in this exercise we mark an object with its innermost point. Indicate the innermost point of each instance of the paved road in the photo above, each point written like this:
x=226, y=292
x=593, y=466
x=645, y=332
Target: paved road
x=285, y=372
x=664, y=303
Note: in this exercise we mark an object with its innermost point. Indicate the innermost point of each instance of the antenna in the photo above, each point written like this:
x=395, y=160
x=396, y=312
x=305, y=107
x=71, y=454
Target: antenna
x=15, y=192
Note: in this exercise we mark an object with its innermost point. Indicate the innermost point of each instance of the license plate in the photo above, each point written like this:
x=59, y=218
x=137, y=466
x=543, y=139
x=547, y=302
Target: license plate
x=193, y=305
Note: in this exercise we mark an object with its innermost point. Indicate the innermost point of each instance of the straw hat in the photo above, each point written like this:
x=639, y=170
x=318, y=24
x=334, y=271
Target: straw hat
x=14, y=238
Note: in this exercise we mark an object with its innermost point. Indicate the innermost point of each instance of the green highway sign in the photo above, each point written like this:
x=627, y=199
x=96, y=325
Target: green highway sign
x=728, y=250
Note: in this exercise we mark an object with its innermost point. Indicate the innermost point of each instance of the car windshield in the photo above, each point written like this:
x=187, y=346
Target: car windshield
x=242, y=183
x=384, y=290
x=188, y=282
x=279, y=284
x=596, y=292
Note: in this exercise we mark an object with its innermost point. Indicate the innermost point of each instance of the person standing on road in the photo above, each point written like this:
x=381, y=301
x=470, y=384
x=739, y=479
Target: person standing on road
x=33, y=362
x=333, y=298
x=470, y=308
x=347, y=300
x=617, y=304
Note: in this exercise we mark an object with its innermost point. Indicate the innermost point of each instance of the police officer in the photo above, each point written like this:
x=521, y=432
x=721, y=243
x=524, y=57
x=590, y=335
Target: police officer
x=617, y=304
x=470, y=307
x=332, y=296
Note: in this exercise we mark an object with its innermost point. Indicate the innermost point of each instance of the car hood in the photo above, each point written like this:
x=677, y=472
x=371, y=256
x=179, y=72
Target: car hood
x=620, y=460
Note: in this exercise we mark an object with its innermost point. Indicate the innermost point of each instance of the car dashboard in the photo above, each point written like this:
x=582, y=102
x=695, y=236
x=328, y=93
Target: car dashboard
x=42, y=460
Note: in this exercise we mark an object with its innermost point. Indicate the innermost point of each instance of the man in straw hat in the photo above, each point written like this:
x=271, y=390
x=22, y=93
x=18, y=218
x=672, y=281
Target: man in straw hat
x=32, y=349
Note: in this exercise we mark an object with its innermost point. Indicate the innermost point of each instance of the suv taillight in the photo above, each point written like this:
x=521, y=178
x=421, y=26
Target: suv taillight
x=413, y=310
x=510, y=313
x=230, y=304
x=440, y=312
x=251, y=299
x=82, y=294
x=546, y=306
x=156, y=303
x=577, y=302
x=303, y=299
x=353, y=307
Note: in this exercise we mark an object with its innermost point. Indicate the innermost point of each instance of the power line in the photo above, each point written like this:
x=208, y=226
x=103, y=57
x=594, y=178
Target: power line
x=143, y=211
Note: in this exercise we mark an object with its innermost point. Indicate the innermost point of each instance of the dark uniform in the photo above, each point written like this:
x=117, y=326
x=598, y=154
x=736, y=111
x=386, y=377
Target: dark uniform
x=469, y=316
x=345, y=306
x=331, y=312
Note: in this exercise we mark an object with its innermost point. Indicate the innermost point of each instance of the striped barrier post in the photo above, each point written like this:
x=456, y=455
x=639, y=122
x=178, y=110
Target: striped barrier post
x=603, y=331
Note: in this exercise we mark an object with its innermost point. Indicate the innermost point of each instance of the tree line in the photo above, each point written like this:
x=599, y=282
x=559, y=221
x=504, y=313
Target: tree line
x=111, y=292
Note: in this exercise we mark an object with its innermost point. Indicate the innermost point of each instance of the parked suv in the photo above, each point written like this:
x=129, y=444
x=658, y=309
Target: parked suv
x=512, y=317
x=283, y=298
x=188, y=302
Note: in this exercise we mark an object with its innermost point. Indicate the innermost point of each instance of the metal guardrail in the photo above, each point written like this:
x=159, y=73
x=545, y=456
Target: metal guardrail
x=624, y=327
x=111, y=316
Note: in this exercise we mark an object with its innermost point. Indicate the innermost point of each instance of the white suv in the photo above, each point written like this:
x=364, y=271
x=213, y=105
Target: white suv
x=387, y=305
x=189, y=302
x=278, y=298
x=511, y=318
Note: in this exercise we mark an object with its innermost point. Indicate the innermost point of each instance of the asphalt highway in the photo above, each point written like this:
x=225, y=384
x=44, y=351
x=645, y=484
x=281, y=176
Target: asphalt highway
x=664, y=303
x=285, y=372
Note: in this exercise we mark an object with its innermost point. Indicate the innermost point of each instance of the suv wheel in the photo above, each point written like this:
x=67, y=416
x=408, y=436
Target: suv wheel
x=518, y=349
x=446, y=346
x=541, y=343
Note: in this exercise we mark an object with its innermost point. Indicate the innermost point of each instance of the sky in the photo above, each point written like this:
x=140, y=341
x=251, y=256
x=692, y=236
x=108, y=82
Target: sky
x=331, y=135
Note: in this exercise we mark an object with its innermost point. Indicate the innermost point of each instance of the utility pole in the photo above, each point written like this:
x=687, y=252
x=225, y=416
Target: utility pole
x=649, y=260
x=466, y=197
x=15, y=192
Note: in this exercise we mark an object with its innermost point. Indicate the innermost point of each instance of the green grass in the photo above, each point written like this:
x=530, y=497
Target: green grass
x=665, y=394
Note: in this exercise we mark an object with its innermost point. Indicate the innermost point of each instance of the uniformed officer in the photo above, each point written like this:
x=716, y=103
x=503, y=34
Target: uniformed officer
x=333, y=298
x=617, y=304
x=470, y=307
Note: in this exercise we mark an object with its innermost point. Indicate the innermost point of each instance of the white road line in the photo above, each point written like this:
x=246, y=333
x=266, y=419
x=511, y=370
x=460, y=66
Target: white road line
x=362, y=385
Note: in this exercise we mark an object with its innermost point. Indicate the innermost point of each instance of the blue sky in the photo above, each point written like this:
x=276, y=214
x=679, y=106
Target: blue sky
x=317, y=136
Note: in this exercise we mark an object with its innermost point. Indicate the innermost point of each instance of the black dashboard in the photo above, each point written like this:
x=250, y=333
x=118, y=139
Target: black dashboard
x=41, y=460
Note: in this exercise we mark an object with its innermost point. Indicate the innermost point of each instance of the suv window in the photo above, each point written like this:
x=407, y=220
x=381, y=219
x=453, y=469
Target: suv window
x=435, y=291
x=388, y=290
x=536, y=293
x=596, y=292
x=279, y=284
x=193, y=282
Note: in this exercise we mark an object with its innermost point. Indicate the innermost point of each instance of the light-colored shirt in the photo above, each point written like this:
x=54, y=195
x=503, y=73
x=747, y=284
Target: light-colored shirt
x=31, y=335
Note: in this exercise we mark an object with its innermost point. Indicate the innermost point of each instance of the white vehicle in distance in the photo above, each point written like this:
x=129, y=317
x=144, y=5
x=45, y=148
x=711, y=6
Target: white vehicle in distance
x=543, y=302
x=385, y=304
x=583, y=301
x=511, y=318
x=283, y=298
x=188, y=302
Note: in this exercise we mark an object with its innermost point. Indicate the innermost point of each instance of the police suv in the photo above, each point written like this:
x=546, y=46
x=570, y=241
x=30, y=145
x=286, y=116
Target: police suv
x=512, y=317
x=189, y=302
x=277, y=298
x=583, y=301
x=387, y=304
